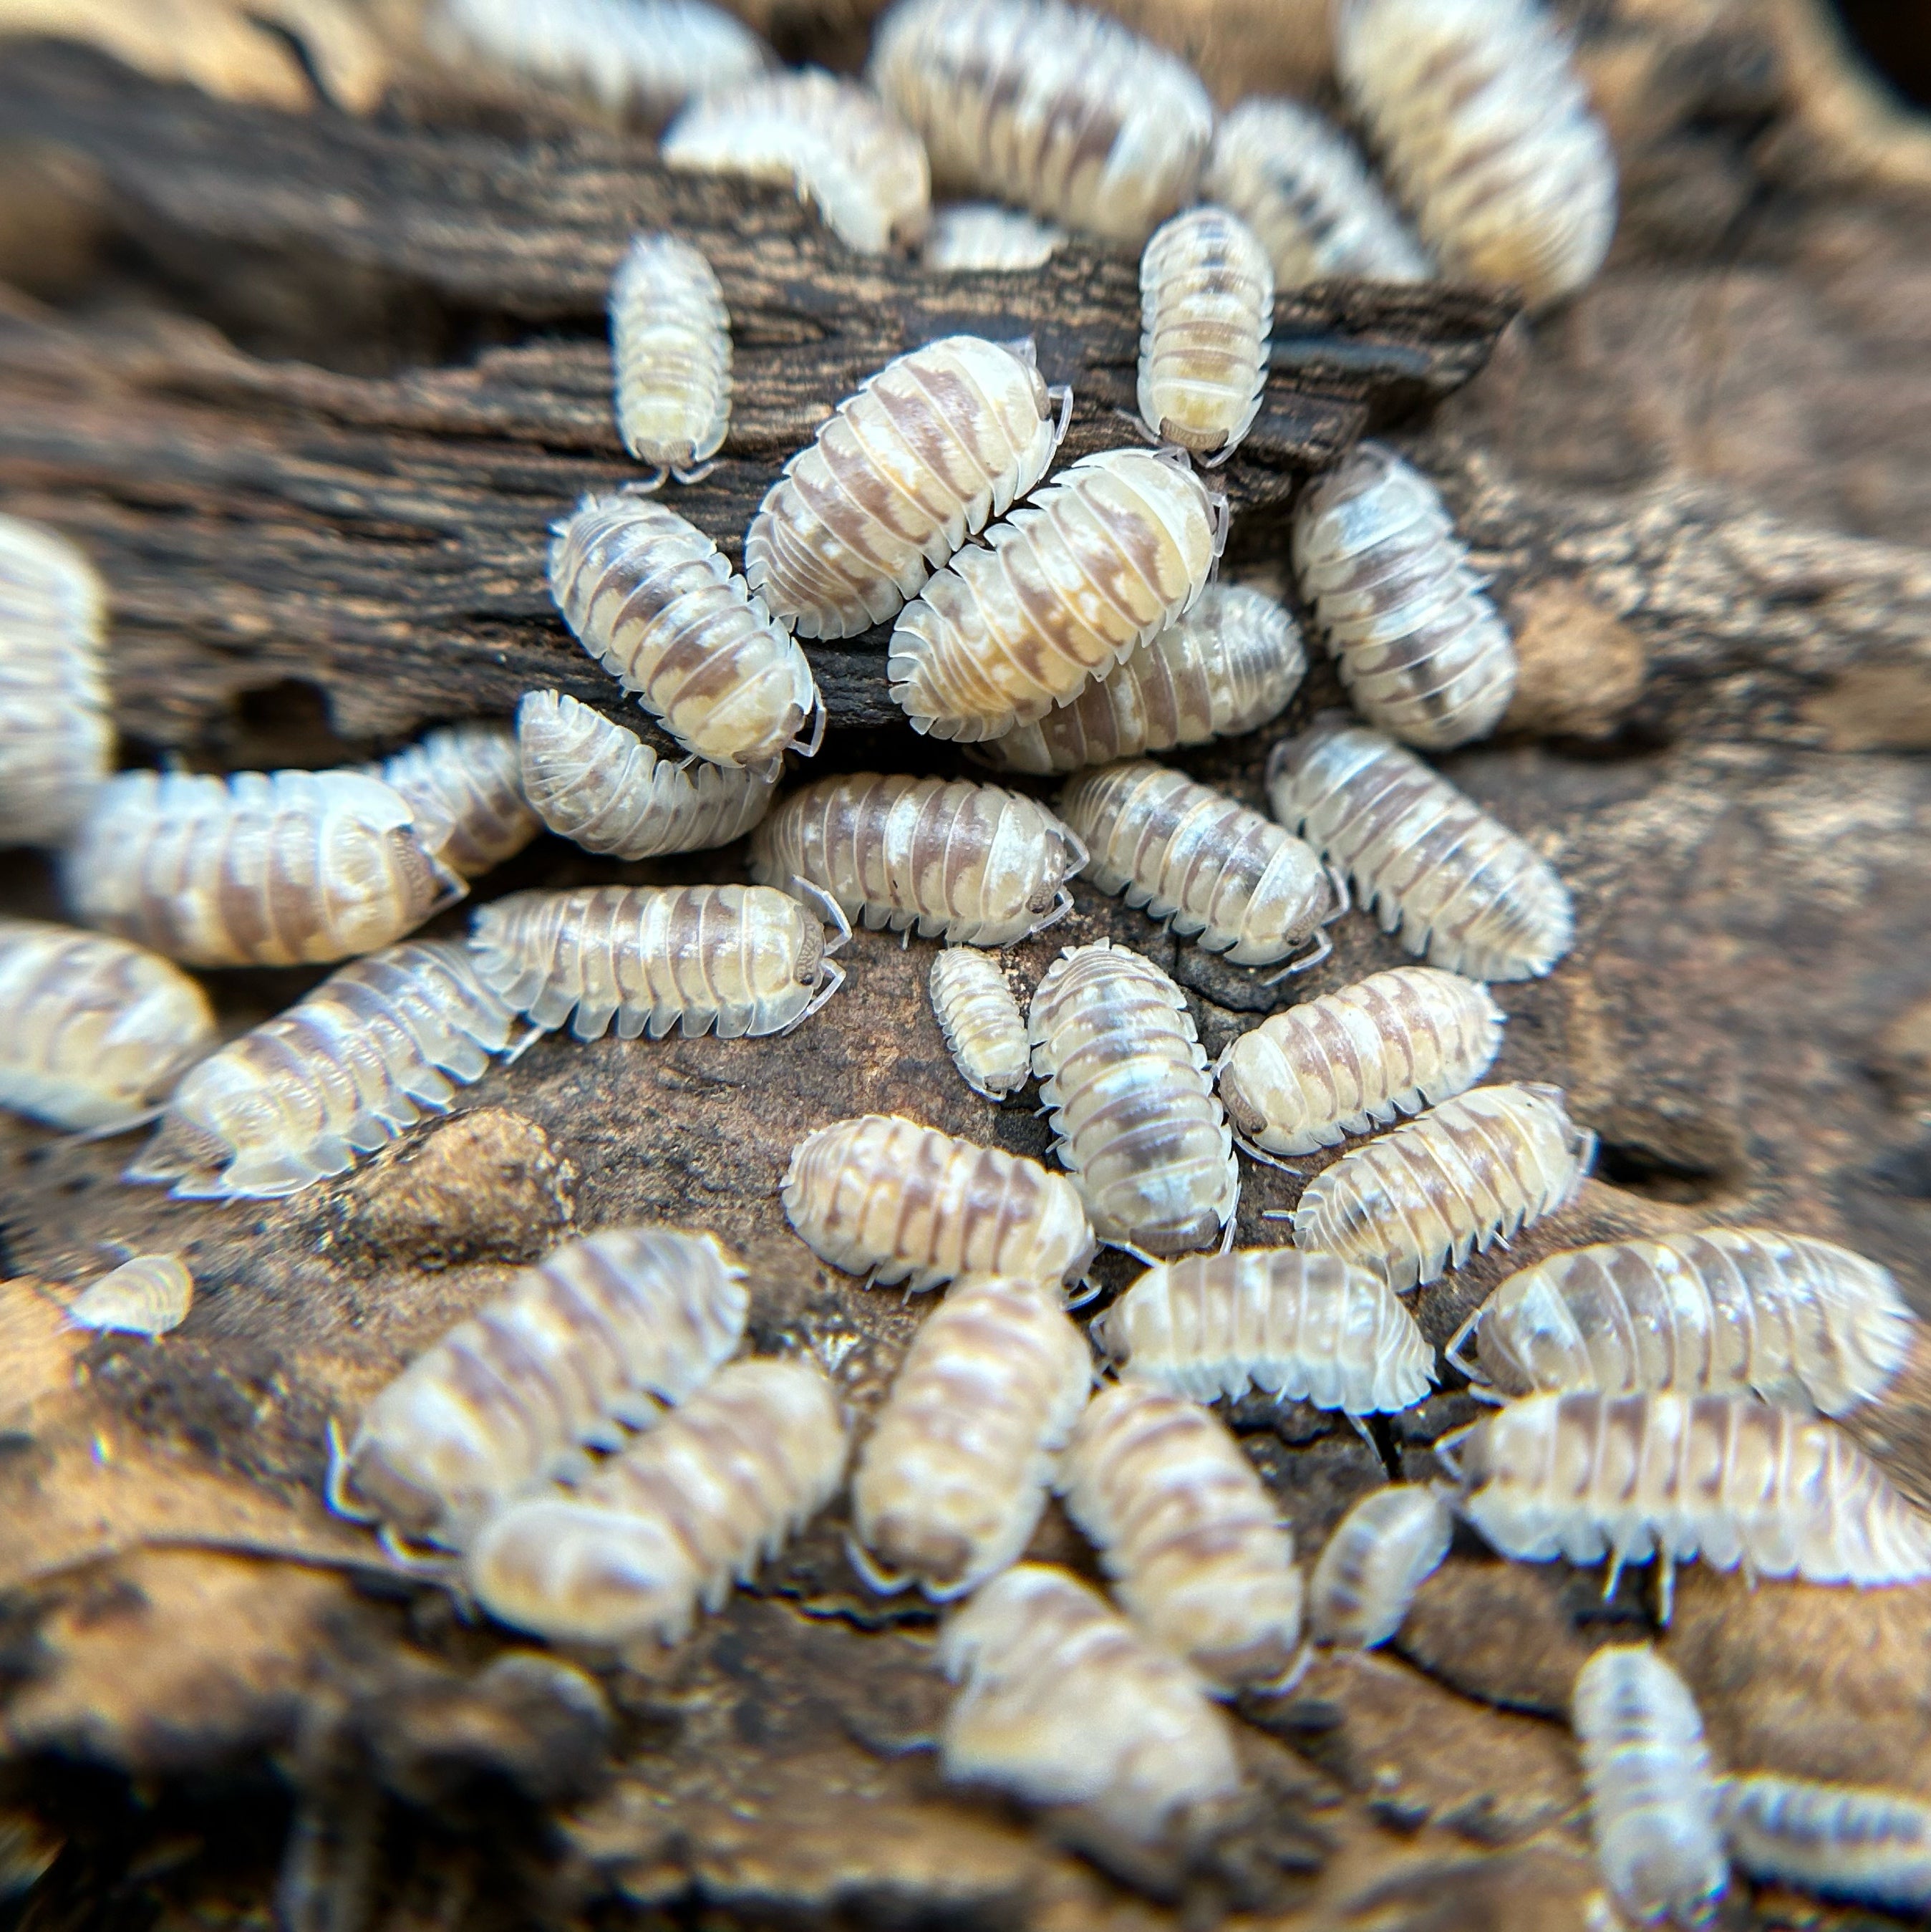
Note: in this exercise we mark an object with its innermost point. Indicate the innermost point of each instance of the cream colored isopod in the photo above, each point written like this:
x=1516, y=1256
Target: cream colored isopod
x=147, y=1294
x=980, y=237
x=984, y=1031
x=464, y=784
x=1377, y=1556
x=1844, y=1840
x=670, y=340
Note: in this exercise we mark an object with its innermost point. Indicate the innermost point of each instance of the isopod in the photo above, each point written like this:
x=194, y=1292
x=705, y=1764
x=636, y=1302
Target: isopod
x=1424, y=654
x=1376, y=1558
x=882, y=1196
x=1064, y=1702
x=1052, y=107
x=1133, y=1114
x=739, y=961
x=670, y=340
x=147, y=1294
x=1465, y=1175
x=1305, y=1327
x=1213, y=868
x=1068, y=586
x=1393, y=1043
x=260, y=868
x=897, y=477
x=96, y=1031
x=606, y=1329
x=984, y=1032
x=464, y=785
x=647, y=594
x=980, y=237
x=598, y=783
x=674, y=1519
x=973, y=864
x=953, y=1477
x=1845, y=1841
x=1457, y=888
x=378, y=1046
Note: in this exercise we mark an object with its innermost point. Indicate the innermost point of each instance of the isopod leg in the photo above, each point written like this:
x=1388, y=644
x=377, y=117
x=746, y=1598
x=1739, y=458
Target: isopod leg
x=1666, y=1586
x=1295, y=1670
x=333, y=1490
x=640, y=486
x=520, y=1047
x=885, y=1583
x=434, y=1566
x=1089, y=1289
x=1454, y=1360
x=1445, y=1447
x=1343, y=893
x=689, y=476
x=1277, y=1213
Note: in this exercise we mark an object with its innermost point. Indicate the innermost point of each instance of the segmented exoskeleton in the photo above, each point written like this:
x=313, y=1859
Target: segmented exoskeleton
x=670, y=340
x=1375, y=1560
x=984, y=1031
x=464, y=784
x=147, y=1294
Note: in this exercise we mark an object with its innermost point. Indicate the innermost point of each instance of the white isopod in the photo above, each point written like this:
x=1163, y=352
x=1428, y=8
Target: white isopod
x=984, y=1031
x=464, y=784
x=980, y=237
x=1845, y=1841
x=147, y=1294
x=670, y=340
x=1376, y=1558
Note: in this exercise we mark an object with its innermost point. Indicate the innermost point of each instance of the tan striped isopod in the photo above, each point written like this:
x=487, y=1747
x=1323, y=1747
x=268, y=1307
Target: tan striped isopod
x=1135, y=1118
x=1375, y=1560
x=843, y=150
x=1487, y=134
x=1231, y=663
x=464, y=784
x=648, y=595
x=674, y=1519
x=1393, y=1043
x=147, y=1294
x=1068, y=586
x=1653, y=1801
x=1305, y=1327
x=1424, y=654
x=379, y=1045
x=953, y=1477
x=739, y=961
x=96, y=1031
x=881, y=1195
x=1064, y=1702
x=1301, y=185
x=974, y=864
x=984, y=1031
x=1845, y=1841
x=1455, y=886
x=606, y=1329
x=1206, y=323
x=670, y=340
x=1212, y=868
x=979, y=237
x=1051, y=106
x=897, y=477
x=597, y=783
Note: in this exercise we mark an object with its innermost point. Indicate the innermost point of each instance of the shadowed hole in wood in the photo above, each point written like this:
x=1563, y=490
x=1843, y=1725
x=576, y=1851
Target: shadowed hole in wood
x=1895, y=41
x=1643, y=1170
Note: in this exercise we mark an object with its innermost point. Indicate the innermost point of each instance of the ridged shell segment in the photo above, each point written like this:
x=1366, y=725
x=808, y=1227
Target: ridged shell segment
x=670, y=342
x=984, y=1031
x=1376, y=1557
x=147, y=1294
x=1845, y=1841
x=464, y=784
x=980, y=237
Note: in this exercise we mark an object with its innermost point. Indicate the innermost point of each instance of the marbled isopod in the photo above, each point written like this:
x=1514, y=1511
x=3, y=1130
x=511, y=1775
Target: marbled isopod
x=980, y=236
x=882, y=1196
x=1231, y=663
x=897, y=477
x=260, y=868
x=1133, y=1114
x=1301, y=185
x=601, y=785
x=1051, y=106
x=607, y=1328
x=1457, y=888
x=1393, y=1043
x=953, y=1477
x=147, y=1294
x=1068, y=586
x=843, y=150
x=1376, y=1557
x=1064, y=1702
x=670, y=341
x=1424, y=654
x=464, y=784
x=1845, y=1841
x=1305, y=1327
x=96, y=1031
x=984, y=1031
x=1211, y=867
x=1465, y=1175
x=674, y=1519
x=378, y=1046
x=648, y=595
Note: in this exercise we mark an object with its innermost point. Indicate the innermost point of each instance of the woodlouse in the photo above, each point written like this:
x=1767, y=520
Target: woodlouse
x=464, y=784
x=1456, y=887
x=973, y=237
x=1068, y=586
x=1135, y=1118
x=882, y=1195
x=147, y=1294
x=1845, y=1841
x=1375, y=1560
x=984, y=1031
x=670, y=342
x=897, y=479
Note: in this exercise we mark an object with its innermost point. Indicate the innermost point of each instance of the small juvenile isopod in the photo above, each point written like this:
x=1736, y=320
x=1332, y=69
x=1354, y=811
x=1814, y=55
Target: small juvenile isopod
x=1845, y=1841
x=1133, y=1114
x=980, y=236
x=1305, y=1327
x=1465, y=1175
x=1393, y=1043
x=647, y=594
x=465, y=786
x=1376, y=1557
x=897, y=479
x=147, y=1294
x=670, y=340
x=606, y=1329
x=597, y=783
x=984, y=1030
x=953, y=1477
x=674, y=1519
x=95, y=1031
x=1215, y=870
x=1068, y=586
x=1457, y=888
x=973, y=864
x=882, y=1195
x=375, y=1048
x=1424, y=654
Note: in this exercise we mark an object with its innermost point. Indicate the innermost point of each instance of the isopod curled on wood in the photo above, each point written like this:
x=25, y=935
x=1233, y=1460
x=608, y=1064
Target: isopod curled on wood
x=1844, y=1840
x=464, y=784
x=979, y=237
x=1375, y=1560
x=984, y=1032
x=147, y=1294
x=670, y=340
